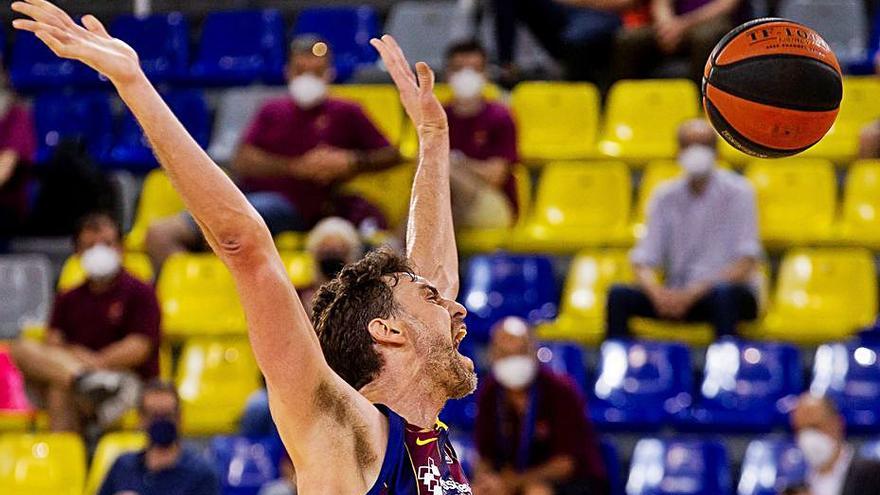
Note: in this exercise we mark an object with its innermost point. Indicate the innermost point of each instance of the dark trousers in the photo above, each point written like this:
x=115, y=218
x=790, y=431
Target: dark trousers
x=723, y=307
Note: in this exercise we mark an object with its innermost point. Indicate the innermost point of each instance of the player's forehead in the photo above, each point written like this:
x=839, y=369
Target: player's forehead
x=414, y=284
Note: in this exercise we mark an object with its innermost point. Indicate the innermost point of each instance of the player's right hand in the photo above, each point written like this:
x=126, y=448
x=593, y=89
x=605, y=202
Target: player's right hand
x=90, y=45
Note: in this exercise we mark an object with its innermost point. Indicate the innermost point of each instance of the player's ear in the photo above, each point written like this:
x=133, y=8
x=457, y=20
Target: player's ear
x=386, y=331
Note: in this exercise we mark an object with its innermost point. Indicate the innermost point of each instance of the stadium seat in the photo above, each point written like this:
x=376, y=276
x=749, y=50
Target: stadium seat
x=380, y=102
x=497, y=286
x=797, y=198
x=158, y=200
x=641, y=385
x=197, y=296
x=347, y=30
x=243, y=464
x=215, y=377
x=131, y=151
x=388, y=189
x=460, y=414
x=679, y=466
x=850, y=374
x=747, y=386
x=642, y=118
x=842, y=23
x=161, y=42
x=81, y=116
x=612, y=465
x=301, y=268
x=565, y=358
x=110, y=447
x=867, y=66
x=42, y=464
x=423, y=29
x=555, y=120
x=26, y=292
x=35, y=68
x=821, y=295
x=859, y=107
x=859, y=223
x=16, y=411
x=578, y=205
x=582, y=317
x=72, y=273
x=770, y=465
x=239, y=47
x=486, y=240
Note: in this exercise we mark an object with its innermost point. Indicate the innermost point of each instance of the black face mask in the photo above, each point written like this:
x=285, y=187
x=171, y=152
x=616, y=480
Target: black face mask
x=331, y=266
x=162, y=432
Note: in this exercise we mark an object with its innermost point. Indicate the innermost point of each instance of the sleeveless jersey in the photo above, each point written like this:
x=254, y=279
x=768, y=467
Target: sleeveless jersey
x=419, y=462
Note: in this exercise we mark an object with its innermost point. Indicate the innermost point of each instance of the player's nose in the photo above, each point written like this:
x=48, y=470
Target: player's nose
x=456, y=310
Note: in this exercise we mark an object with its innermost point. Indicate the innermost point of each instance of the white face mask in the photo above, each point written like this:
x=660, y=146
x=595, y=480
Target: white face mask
x=697, y=160
x=307, y=90
x=515, y=372
x=817, y=447
x=100, y=261
x=467, y=84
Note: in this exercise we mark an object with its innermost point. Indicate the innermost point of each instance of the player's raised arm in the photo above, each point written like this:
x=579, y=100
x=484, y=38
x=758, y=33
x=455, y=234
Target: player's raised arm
x=430, y=238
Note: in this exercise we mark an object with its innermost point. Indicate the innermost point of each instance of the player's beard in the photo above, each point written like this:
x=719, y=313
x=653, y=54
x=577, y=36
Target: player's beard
x=449, y=370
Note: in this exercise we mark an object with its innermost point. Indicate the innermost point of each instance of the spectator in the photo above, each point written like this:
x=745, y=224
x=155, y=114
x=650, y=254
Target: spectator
x=482, y=137
x=678, y=27
x=165, y=467
x=833, y=467
x=286, y=483
x=100, y=333
x=532, y=433
x=296, y=150
x=703, y=235
x=869, y=141
x=18, y=145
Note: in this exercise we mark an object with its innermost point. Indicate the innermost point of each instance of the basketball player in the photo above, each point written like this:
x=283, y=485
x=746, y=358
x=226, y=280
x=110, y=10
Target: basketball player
x=361, y=417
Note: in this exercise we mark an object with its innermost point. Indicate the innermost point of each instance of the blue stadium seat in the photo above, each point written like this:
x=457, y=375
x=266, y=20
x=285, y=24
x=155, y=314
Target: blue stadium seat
x=460, y=414
x=83, y=116
x=243, y=464
x=747, y=386
x=850, y=374
x=770, y=465
x=347, y=30
x=503, y=285
x=34, y=67
x=870, y=450
x=612, y=465
x=678, y=467
x=239, y=47
x=132, y=152
x=566, y=358
x=161, y=41
x=641, y=385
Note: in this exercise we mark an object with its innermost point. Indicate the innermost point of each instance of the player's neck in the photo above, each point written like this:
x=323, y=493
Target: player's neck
x=417, y=399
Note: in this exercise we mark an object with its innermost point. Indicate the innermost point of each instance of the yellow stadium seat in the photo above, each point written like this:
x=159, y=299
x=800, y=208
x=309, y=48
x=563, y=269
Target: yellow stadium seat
x=556, y=121
x=387, y=189
x=860, y=217
x=822, y=294
x=158, y=200
x=290, y=241
x=860, y=106
x=198, y=297
x=110, y=447
x=484, y=240
x=300, y=267
x=380, y=102
x=797, y=198
x=578, y=205
x=42, y=464
x=72, y=273
x=642, y=118
x=215, y=378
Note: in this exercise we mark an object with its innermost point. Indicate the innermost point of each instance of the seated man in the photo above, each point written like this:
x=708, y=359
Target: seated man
x=703, y=235
x=532, y=433
x=296, y=150
x=100, y=333
x=482, y=137
x=18, y=146
x=165, y=467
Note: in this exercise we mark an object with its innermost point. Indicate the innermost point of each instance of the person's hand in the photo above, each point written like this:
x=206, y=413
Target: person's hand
x=416, y=95
x=669, y=33
x=90, y=45
x=489, y=484
x=663, y=301
x=323, y=164
x=87, y=357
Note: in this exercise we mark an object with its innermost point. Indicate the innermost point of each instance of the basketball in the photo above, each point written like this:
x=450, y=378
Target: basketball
x=772, y=88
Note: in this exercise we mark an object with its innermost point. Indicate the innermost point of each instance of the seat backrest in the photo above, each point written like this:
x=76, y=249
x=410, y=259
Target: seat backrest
x=770, y=465
x=110, y=447
x=160, y=40
x=678, y=466
x=42, y=463
x=26, y=292
x=861, y=198
x=245, y=464
x=301, y=268
x=380, y=102
x=83, y=116
x=583, y=195
x=347, y=30
x=556, y=120
x=34, y=66
x=590, y=276
x=644, y=374
x=72, y=273
x=745, y=375
x=849, y=373
x=211, y=368
x=158, y=200
x=235, y=111
x=422, y=28
x=256, y=34
x=565, y=358
x=842, y=23
x=13, y=396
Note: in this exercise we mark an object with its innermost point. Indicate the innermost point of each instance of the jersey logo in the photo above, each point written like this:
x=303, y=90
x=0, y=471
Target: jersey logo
x=435, y=485
x=422, y=443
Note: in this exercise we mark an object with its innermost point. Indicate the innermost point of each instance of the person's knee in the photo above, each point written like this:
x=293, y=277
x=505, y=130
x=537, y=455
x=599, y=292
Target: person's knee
x=537, y=489
x=21, y=351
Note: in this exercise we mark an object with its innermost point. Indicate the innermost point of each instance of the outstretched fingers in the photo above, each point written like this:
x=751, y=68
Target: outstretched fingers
x=41, y=13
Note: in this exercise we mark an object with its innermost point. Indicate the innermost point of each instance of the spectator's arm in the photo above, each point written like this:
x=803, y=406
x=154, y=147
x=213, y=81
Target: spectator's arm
x=662, y=10
x=612, y=5
x=377, y=159
x=126, y=354
x=558, y=468
x=8, y=162
x=649, y=252
x=709, y=11
x=251, y=161
x=372, y=151
x=54, y=337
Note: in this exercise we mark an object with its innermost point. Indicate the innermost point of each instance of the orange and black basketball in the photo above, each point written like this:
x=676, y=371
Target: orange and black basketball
x=772, y=88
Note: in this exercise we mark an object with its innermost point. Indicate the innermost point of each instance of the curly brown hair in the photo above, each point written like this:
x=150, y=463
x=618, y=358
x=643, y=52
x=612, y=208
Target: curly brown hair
x=343, y=308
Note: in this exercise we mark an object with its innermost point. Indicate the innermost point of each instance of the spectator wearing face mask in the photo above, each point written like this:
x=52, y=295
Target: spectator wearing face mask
x=532, y=432
x=482, y=137
x=833, y=466
x=702, y=234
x=165, y=467
x=102, y=336
x=294, y=154
x=18, y=146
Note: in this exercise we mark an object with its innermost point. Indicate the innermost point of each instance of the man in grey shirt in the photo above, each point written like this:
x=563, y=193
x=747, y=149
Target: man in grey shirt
x=703, y=236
